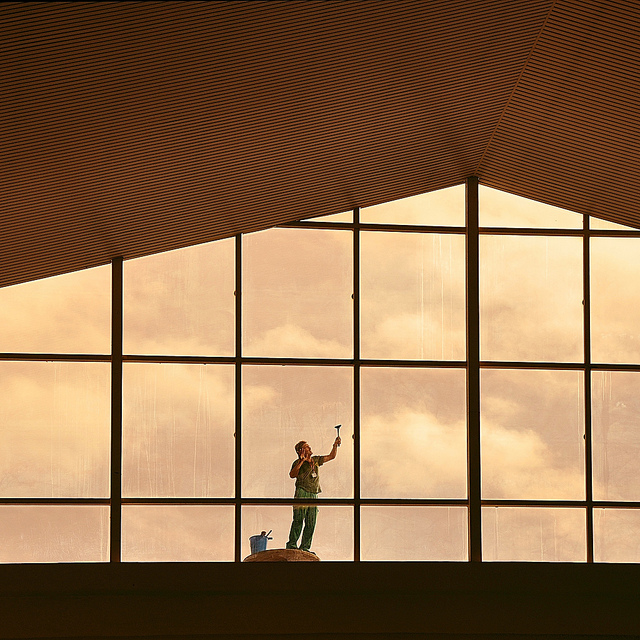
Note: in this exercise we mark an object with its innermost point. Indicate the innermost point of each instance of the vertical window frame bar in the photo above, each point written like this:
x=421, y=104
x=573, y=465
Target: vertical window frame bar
x=117, y=308
x=356, y=386
x=237, y=544
x=588, y=431
x=473, y=369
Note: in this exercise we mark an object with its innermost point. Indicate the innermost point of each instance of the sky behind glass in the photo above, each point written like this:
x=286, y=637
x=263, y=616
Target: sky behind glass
x=178, y=424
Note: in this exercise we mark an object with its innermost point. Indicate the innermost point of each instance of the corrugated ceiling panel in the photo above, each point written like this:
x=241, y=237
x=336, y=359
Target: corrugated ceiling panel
x=570, y=133
x=133, y=128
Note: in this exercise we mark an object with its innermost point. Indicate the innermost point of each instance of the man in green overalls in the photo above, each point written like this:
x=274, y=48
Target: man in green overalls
x=306, y=472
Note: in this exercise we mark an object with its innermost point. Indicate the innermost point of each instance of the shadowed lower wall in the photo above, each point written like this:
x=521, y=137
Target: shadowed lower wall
x=322, y=600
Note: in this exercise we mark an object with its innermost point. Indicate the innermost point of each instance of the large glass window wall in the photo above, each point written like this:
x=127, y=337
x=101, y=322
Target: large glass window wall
x=480, y=351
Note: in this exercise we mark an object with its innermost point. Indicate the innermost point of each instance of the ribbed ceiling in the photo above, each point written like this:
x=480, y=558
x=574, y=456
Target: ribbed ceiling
x=134, y=128
x=570, y=133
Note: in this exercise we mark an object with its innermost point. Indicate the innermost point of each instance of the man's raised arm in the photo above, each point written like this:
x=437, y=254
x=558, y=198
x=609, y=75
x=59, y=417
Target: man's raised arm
x=334, y=450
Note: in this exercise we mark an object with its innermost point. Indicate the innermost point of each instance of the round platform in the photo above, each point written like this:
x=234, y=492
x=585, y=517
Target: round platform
x=282, y=555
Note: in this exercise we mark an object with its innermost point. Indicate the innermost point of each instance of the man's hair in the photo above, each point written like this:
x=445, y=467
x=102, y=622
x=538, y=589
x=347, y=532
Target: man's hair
x=300, y=445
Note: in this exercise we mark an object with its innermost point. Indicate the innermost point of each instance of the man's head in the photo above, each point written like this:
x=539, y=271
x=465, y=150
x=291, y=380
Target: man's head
x=303, y=448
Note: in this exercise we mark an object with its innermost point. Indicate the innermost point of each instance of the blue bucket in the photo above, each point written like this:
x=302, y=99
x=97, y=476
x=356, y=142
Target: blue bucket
x=259, y=543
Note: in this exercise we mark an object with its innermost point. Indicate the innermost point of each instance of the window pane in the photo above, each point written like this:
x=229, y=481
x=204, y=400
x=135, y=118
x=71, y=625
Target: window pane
x=615, y=292
x=181, y=302
x=177, y=533
x=414, y=533
x=502, y=209
x=178, y=426
x=283, y=405
x=616, y=535
x=413, y=436
x=297, y=293
x=70, y=313
x=55, y=420
x=54, y=533
x=616, y=437
x=531, y=298
x=413, y=296
x=533, y=534
x=532, y=435
x=332, y=538
x=347, y=216
x=444, y=207
x=597, y=223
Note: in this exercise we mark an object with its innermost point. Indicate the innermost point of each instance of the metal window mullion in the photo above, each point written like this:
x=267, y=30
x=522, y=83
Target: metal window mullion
x=237, y=544
x=529, y=231
x=55, y=357
x=514, y=502
x=115, y=552
x=58, y=501
x=356, y=385
x=473, y=370
x=259, y=501
x=386, y=228
x=588, y=448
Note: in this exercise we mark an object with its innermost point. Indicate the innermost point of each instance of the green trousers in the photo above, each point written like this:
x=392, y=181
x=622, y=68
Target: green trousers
x=303, y=516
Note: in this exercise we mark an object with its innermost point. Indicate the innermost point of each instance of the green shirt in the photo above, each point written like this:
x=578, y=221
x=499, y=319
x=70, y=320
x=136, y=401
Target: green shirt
x=308, y=477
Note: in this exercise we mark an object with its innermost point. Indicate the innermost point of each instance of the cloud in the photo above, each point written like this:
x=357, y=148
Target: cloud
x=615, y=291
x=181, y=302
x=531, y=298
x=291, y=340
x=532, y=427
x=413, y=455
x=414, y=336
x=520, y=465
x=178, y=533
x=56, y=429
x=64, y=314
x=413, y=296
x=178, y=426
x=538, y=534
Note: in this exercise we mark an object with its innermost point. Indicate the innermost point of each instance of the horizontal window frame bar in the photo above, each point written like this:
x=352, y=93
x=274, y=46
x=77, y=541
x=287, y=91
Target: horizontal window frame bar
x=167, y=359
x=54, y=357
x=321, y=362
x=411, y=228
x=612, y=233
x=448, y=229
x=376, y=226
x=584, y=504
x=56, y=501
x=530, y=231
x=568, y=366
x=380, y=502
x=293, y=501
x=307, y=224
x=542, y=366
